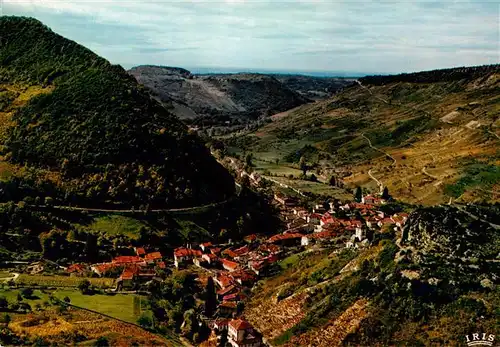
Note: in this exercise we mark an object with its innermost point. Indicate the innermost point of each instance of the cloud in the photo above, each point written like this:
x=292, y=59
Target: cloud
x=365, y=36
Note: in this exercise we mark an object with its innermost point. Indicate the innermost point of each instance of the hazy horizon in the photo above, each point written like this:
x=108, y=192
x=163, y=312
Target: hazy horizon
x=315, y=36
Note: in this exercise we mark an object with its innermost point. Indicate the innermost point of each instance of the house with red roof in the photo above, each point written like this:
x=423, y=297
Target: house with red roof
x=210, y=258
x=215, y=250
x=269, y=248
x=250, y=238
x=242, y=251
x=76, y=268
x=323, y=236
x=242, y=334
x=288, y=239
x=385, y=221
x=206, y=246
x=128, y=259
x=227, y=308
x=223, y=281
x=228, y=252
x=152, y=258
x=229, y=265
x=140, y=251
x=182, y=255
x=102, y=268
x=226, y=291
x=220, y=324
x=244, y=277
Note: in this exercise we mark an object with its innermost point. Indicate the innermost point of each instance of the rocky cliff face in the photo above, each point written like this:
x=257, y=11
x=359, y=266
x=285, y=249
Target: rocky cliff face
x=447, y=243
x=243, y=96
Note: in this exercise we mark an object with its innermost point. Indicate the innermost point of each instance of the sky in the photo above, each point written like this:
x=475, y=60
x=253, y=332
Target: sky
x=278, y=35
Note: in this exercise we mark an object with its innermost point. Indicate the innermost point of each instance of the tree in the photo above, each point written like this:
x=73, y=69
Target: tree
x=385, y=193
x=27, y=292
x=5, y=318
x=23, y=306
x=66, y=299
x=223, y=338
x=332, y=181
x=303, y=165
x=245, y=181
x=84, y=286
x=3, y=303
x=358, y=194
x=102, y=342
x=49, y=201
x=248, y=159
x=210, y=298
x=145, y=320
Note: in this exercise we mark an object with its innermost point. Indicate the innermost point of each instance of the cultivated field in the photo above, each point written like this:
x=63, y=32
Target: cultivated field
x=62, y=281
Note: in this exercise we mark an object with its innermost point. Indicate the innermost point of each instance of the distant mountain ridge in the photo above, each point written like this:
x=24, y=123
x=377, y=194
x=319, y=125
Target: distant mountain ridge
x=242, y=96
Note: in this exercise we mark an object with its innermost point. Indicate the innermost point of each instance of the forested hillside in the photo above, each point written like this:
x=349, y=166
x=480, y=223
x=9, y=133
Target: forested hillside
x=93, y=135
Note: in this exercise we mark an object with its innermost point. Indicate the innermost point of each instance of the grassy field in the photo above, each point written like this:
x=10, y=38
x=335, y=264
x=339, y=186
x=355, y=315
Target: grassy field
x=4, y=274
x=117, y=225
x=315, y=187
x=37, y=298
x=122, y=306
x=62, y=281
x=275, y=169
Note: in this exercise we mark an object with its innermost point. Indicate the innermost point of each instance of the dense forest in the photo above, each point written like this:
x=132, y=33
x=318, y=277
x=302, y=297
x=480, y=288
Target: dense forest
x=101, y=132
x=433, y=76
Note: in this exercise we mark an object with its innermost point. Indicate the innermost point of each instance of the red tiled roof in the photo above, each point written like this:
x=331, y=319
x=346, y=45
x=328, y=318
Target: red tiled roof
x=215, y=250
x=227, y=290
x=229, y=264
x=269, y=248
x=243, y=275
x=210, y=256
x=228, y=304
x=229, y=253
x=153, y=256
x=75, y=268
x=241, y=250
x=315, y=216
x=224, y=280
x=231, y=297
x=387, y=221
x=240, y=324
x=222, y=322
x=251, y=237
x=140, y=251
x=284, y=237
x=257, y=265
x=207, y=244
x=186, y=252
x=104, y=267
x=322, y=235
x=127, y=259
x=162, y=265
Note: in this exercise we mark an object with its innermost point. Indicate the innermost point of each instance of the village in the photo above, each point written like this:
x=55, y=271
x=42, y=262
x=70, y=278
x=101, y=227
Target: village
x=237, y=266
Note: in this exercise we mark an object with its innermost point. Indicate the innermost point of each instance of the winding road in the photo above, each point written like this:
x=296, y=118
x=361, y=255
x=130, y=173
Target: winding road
x=14, y=277
x=387, y=155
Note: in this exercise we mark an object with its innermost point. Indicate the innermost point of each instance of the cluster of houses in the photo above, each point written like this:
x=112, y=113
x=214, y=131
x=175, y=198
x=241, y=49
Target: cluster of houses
x=353, y=220
x=139, y=268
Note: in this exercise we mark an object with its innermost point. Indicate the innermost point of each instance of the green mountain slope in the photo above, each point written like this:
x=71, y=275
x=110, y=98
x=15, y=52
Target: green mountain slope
x=427, y=136
x=98, y=135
